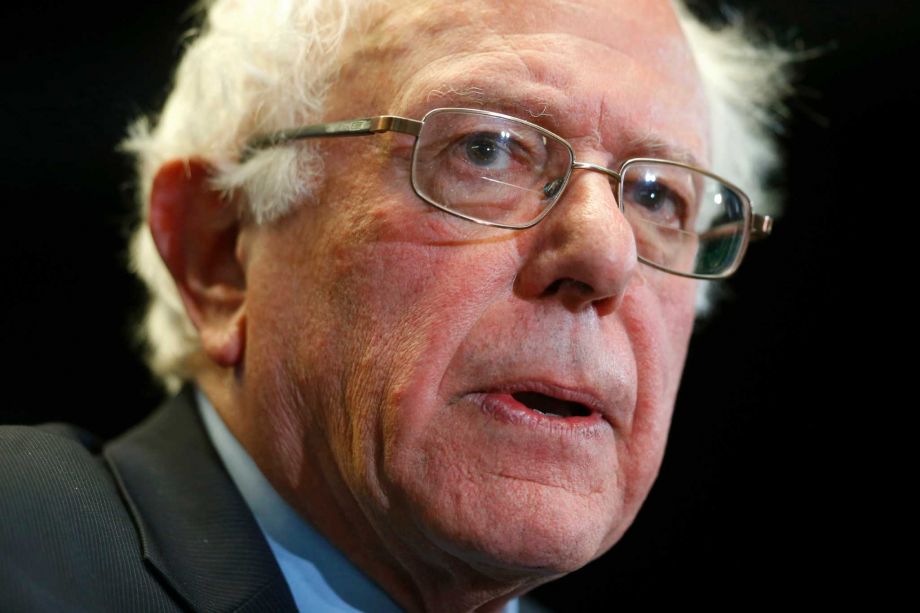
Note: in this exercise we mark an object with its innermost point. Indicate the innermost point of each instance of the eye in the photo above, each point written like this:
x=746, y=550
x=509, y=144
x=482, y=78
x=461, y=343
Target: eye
x=488, y=150
x=657, y=200
x=650, y=194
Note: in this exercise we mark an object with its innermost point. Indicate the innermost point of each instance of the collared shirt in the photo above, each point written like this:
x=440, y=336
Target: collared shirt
x=320, y=577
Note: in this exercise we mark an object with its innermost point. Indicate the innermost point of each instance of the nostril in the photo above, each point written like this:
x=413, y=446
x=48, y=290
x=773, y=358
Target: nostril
x=574, y=286
x=553, y=288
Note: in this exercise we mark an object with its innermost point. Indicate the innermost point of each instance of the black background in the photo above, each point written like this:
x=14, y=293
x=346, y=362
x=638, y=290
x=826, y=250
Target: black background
x=762, y=495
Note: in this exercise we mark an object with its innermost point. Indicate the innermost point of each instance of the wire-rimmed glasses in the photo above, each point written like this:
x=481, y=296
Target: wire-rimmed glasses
x=501, y=171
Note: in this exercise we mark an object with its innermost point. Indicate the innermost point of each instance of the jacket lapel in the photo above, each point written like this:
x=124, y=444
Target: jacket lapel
x=195, y=529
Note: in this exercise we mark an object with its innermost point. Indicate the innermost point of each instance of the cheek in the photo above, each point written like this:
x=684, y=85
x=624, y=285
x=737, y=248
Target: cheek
x=402, y=303
x=659, y=319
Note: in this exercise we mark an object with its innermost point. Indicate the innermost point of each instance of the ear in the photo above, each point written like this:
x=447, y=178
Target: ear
x=196, y=231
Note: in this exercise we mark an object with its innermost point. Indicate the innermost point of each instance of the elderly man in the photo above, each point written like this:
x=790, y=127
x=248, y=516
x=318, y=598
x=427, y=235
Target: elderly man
x=432, y=269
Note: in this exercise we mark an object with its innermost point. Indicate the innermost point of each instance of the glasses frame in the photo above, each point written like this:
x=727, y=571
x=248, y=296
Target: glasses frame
x=756, y=226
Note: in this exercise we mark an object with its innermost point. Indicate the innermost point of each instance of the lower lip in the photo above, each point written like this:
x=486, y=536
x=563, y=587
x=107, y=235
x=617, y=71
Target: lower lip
x=504, y=408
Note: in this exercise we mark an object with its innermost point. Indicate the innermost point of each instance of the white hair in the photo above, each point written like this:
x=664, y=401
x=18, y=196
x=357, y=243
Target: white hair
x=262, y=65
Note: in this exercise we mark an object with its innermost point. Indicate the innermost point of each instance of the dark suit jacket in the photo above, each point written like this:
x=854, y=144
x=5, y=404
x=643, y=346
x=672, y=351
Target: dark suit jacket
x=149, y=522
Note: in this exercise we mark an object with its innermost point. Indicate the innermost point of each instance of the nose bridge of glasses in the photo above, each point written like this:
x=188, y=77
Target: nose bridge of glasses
x=552, y=188
x=597, y=168
x=612, y=174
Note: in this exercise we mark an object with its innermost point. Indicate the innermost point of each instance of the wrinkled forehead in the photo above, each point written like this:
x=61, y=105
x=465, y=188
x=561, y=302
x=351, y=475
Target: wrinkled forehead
x=627, y=23
x=550, y=58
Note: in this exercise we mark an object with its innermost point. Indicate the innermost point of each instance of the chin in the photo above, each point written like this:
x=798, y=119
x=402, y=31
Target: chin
x=515, y=527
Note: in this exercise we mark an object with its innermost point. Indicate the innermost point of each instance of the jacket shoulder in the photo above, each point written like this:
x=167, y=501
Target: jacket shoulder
x=63, y=525
x=35, y=460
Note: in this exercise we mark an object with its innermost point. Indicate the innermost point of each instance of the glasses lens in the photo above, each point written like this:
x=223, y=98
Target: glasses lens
x=684, y=220
x=489, y=168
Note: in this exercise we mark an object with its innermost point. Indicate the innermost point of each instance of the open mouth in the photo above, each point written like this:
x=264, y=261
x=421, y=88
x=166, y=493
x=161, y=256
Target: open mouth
x=548, y=405
x=546, y=410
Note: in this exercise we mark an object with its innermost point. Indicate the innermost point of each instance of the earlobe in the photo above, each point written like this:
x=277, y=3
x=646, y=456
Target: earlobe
x=225, y=344
x=196, y=230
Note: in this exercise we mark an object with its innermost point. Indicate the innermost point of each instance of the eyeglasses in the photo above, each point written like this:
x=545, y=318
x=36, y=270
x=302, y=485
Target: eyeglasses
x=497, y=170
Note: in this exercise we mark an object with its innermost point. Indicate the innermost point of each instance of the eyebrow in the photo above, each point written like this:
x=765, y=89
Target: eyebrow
x=526, y=106
x=654, y=146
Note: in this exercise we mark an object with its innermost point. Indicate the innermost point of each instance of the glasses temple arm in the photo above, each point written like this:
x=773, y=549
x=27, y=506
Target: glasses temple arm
x=352, y=127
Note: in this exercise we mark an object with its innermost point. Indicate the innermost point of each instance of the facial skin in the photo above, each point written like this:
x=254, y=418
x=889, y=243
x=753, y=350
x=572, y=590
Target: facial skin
x=375, y=341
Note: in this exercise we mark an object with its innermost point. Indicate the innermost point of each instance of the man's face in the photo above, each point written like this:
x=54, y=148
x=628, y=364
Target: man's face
x=397, y=354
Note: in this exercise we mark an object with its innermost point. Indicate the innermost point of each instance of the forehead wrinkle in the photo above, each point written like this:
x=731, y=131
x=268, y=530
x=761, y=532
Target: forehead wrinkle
x=523, y=55
x=528, y=107
x=493, y=79
x=451, y=28
x=509, y=75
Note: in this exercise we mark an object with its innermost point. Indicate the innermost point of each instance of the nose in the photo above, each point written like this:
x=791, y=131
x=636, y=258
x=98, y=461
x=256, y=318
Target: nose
x=584, y=252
